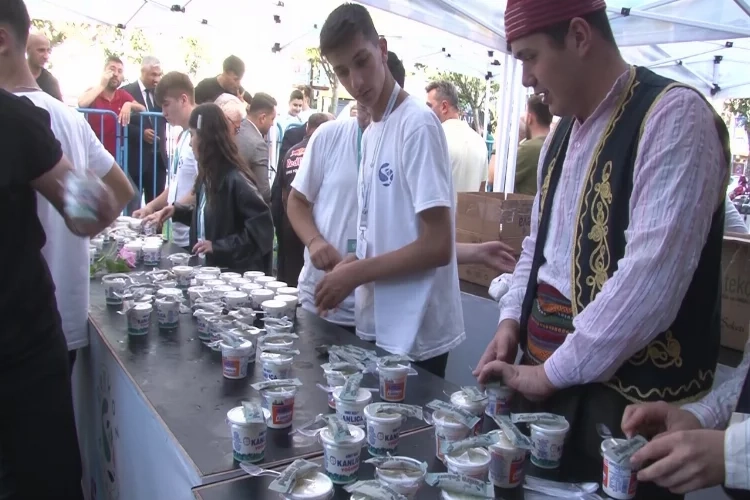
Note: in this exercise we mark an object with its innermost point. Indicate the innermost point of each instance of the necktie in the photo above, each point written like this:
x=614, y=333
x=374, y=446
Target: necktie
x=149, y=100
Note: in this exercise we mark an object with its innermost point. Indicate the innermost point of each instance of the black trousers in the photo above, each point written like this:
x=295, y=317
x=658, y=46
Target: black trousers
x=39, y=452
x=435, y=365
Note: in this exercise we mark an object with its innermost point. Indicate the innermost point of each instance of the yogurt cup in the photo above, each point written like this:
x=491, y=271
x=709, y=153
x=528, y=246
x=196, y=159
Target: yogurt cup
x=237, y=283
x=352, y=412
x=114, y=288
x=263, y=280
x=383, y=431
x=477, y=408
x=406, y=483
x=229, y=276
x=336, y=378
x=284, y=343
x=276, y=366
x=151, y=254
x=136, y=247
x=279, y=403
x=248, y=288
x=275, y=286
x=274, y=308
x=253, y=335
x=213, y=283
x=498, y=400
x=171, y=293
x=196, y=291
x=216, y=326
x=153, y=240
x=139, y=319
x=341, y=460
x=183, y=274
x=314, y=486
x=547, y=439
x=619, y=481
x=248, y=439
x=168, y=313
x=291, y=305
x=447, y=430
x=203, y=318
x=474, y=462
x=202, y=277
x=252, y=275
x=259, y=296
x=235, y=300
x=506, y=463
x=148, y=229
x=449, y=495
x=213, y=271
x=234, y=360
x=393, y=382
x=288, y=290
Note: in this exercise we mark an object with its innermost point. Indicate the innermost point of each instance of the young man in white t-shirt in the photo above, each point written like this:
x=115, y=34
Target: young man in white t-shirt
x=67, y=255
x=404, y=266
x=176, y=95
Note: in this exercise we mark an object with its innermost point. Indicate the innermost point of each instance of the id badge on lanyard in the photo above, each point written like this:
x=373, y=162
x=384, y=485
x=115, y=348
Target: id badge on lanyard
x=172, y=187
x=368, y=177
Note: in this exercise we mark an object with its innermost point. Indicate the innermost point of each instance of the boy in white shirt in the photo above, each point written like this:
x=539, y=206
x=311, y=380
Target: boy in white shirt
x=404, y=260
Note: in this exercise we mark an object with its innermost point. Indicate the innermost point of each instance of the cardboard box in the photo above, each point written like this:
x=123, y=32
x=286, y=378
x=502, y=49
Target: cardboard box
x=482, y=217
x=735, y=294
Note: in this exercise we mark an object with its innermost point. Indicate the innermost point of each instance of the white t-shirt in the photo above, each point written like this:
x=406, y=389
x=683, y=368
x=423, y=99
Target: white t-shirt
x=183, y=169
x=67, y=255
x=468, y=155
x=417, y=315
x=328, y=179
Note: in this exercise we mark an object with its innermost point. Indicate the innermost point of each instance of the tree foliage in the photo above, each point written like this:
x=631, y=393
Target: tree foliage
x=319, y=63
x=739, y=108
x=55, y=36
x=195, y=55
x=471, y=93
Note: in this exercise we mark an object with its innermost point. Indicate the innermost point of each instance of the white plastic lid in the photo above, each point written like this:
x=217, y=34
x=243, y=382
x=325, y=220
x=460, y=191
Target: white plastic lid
x=288, y=290
x=262, y=292
x=459, y=399
x=276, y=284
x=276, y=358
x=140, y=306
x=237, y=416
x=473, y=457
x=169, y=292
x=357, y=436
x=234, y=294
x=286, y=298
x=214, y=282
x=253, y=274
x=182, y=269
x=363, y=396
x=265, y=279
x=230, y=275
x=273, y=304
x=314, y=486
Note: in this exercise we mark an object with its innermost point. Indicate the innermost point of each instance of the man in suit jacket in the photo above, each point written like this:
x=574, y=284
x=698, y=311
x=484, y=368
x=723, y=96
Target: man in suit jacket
x=253, y=131
x=154, y=175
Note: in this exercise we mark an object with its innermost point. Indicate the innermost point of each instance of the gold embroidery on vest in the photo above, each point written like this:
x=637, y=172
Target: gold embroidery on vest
x=600, y=260
x=545, y=186
x=661, y=354
x=705, y=378
x=583, y=200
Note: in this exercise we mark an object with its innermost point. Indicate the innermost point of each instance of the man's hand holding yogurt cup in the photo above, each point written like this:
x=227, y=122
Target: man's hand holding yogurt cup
x=503, y=347
x=158, y=218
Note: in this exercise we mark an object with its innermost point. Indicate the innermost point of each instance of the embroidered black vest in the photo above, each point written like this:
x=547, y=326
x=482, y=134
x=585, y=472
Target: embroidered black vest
x=678, y=365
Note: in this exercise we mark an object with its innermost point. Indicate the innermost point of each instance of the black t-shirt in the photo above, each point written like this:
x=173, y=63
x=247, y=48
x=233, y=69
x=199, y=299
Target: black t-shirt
x=209, y=89
x=28, y=311
x=49, y=84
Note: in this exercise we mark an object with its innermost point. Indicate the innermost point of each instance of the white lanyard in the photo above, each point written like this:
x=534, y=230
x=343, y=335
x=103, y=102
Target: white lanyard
x=369, y=175
x=178, y=151
x=202, y=215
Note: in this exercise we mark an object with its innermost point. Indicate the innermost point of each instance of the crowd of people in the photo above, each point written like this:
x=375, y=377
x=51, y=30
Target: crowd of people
x=613, y=310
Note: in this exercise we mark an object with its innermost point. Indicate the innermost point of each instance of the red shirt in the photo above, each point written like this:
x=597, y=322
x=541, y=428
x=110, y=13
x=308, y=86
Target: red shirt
x=108, y=135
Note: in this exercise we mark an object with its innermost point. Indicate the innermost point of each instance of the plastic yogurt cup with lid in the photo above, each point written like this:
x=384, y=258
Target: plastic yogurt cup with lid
x=352, y=412
x=139, y=319
x=619, y=480
x=276, y=343
x=337, y=378
x=172, y=293
x=202, y=318
x=248, y=438
x=263, y=280
x=393, y=382
x=213, y=271
x=341, y=459
x=253, y=275
x=460, y=400
x=248, y=288
x=274, y=308
x=234, y=360
x=474, y=462
x=229, y=276
x=197, y=291
x=183, y=274
x=279, y=405
x=447, y=430
x=275, y=286
x=314, y=486
x=547, y=439
x=237, y=283
x=506, y=463
x=213, y=283
x=114, y=289
x=498, y=400
x=383, y=431
x=168, y=313
x=288, y=290
x=235, y=300
x=151, y=254
x=276, y=366
x=291, y=305
x=259, y=296
x=201, y=278
x=405, y=482
x=136, y=247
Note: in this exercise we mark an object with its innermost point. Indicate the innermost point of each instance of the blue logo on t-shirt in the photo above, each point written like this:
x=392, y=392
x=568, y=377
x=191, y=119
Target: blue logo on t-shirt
x=385, y=174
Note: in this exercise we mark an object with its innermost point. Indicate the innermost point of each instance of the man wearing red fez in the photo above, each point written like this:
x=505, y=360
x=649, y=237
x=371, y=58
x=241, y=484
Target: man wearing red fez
x=616, y=297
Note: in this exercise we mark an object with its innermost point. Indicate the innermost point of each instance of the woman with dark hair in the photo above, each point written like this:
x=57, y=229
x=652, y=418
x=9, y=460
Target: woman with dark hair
x=229, y=222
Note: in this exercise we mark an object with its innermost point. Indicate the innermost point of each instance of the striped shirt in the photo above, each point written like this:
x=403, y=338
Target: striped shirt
x=677, y=184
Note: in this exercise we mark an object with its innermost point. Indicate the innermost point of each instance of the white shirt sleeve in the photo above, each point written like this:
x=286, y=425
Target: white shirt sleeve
x=427, y=168
x=311, y=172
x=100, y=161
x=733, y=221
x=737, y=456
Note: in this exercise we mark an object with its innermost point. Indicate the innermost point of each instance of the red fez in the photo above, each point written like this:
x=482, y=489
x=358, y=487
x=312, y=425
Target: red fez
x=526, y=17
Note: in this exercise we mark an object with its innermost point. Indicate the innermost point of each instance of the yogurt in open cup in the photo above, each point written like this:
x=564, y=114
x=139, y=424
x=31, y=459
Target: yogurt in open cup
x=404, y=475
x=235, y=300
x=460, y=399
x=341, y=457
x=234, y=359
x=448, y=429
x=506, y=463
x=139, y=318
x=183, y=275
x=352, y=412
x=248, y=435
x=619, y=480
x=313, y=486
x=276, y=365
x=547, y=440
x=383, y=429
x=393, y=381
x=474, y=462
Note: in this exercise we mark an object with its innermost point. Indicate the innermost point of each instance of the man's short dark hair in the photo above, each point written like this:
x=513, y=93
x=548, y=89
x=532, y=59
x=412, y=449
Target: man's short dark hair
x=16, y=16
x=445, y=91
x=344, y=24
x=234, y=64
x=397, y=68
x=113, y=59
x=174, y=84
x=262, y=102
x=598, y=20
x=540, y=110
x=316, y=120
x=296, y=94
x=307, y=91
